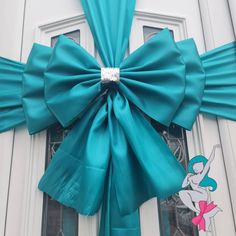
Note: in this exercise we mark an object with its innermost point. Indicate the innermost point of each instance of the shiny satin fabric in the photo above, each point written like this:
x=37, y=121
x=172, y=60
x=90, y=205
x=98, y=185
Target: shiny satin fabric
x=11, y=110
x=115, y=224
x=195, y=84
x=149, y=72
x=38, y=116
x=110, y=23
x=130, y=157
x=73, y=77
x=104, y=139
x=72, y=80
x=220, y=91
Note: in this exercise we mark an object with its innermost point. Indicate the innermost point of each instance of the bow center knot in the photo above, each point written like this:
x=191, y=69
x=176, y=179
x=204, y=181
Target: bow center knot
x=110, y=74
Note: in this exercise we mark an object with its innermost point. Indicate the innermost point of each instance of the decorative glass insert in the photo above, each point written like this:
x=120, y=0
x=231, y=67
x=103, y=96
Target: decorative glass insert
x=74, y=35
x=174, y=217
x=58, y=220
x=149, y=32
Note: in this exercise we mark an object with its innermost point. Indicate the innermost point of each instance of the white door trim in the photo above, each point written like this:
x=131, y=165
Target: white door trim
x=215, y=18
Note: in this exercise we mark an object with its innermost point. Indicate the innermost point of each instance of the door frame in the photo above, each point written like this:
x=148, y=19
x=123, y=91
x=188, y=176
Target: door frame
x=35, y=146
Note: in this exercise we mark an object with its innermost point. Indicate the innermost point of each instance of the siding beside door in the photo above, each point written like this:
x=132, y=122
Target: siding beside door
x=11, y=29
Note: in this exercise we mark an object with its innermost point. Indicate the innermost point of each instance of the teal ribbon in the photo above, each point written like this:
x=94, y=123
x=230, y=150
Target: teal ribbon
x=113, y=156
x=119, y=117
x=37, y=115
x=220, y=90
x=11, y=111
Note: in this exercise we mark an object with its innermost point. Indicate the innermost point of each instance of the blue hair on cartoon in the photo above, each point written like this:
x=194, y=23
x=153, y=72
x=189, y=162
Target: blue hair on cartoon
x=207, y=181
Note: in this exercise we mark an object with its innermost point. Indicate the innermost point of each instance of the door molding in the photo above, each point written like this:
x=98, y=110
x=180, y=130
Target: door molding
x=212, y=28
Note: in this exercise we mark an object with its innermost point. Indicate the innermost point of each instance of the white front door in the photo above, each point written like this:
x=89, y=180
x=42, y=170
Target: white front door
x=24, y=210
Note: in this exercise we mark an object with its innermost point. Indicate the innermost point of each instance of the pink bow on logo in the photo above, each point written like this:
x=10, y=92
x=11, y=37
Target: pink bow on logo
x=204, y=208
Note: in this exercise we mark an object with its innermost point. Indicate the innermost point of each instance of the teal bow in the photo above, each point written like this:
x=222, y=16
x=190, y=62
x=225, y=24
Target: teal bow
x=113, y=156
x=108, y=130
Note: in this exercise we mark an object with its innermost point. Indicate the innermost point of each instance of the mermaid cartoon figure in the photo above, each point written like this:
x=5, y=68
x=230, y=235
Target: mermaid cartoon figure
x=196, y=199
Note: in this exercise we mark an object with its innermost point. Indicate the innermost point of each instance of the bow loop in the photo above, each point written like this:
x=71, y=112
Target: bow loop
x=153, y=77
x=33, y=90
x=194, y=86
x=72, y=80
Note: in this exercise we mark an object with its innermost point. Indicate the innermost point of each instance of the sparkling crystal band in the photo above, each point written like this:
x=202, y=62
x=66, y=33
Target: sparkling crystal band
x=109, y=74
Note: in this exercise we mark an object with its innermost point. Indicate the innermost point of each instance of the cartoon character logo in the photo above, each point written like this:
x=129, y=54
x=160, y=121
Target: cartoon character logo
x=196, y=199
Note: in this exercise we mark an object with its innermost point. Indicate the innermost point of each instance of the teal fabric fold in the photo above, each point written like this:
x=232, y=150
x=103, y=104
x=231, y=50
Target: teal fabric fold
x=141, y=166
x=72, y=80
x=38, y=116
x=106, y=138
x=115, y=224
x=220, y=91
x=11, y=110
x=77, y=173
x=194, y=85
x=153, y=77
x=110, y=23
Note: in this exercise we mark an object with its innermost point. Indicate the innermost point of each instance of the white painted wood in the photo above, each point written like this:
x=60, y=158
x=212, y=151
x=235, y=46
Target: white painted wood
x=217, y=23
x=142, y=19
x=221, y=196
x=227, y=128
x=11, y=25
x=228, y=136
x=186, y=9
x=17, y=184
x=6, y=144
x=45, y=32
x=88, y=225
x=149, y=218
x=46, y=19
x=44, y=12
x=33, y=199
x=25, y=201
x=232, y=7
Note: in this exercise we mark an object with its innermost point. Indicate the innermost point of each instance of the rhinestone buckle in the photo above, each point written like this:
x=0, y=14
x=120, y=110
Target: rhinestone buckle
x=109, y=74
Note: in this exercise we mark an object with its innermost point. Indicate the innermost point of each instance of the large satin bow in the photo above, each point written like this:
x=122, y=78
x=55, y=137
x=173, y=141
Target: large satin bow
x=73, y=79
x=105, y=143
x=113, y=156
